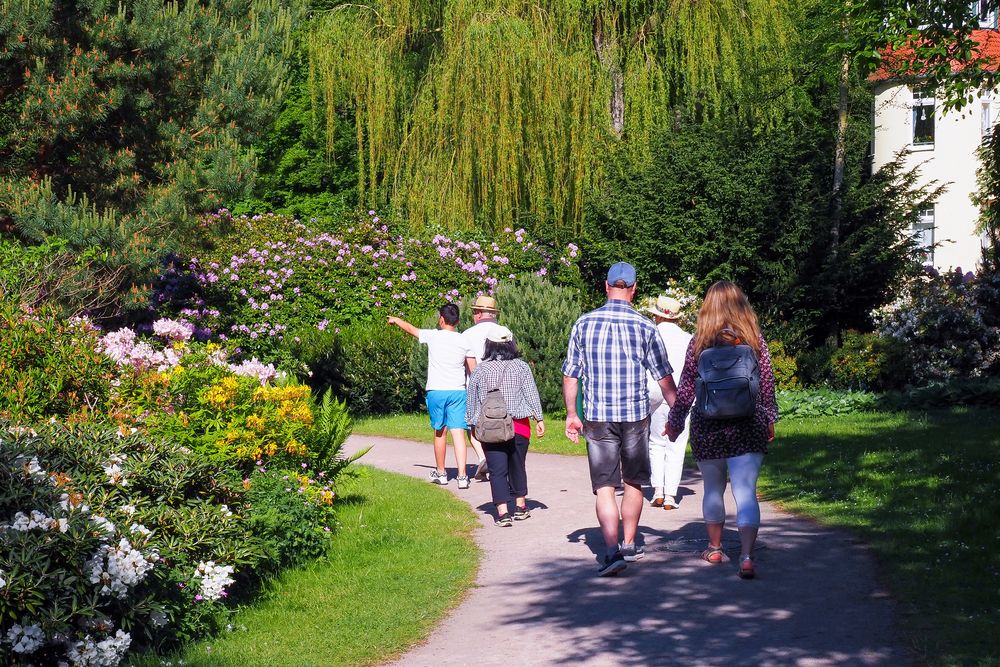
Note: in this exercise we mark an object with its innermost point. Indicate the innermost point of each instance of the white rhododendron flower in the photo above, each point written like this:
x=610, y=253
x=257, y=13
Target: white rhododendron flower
x=214, y=579
x=25, y=639
x=105, y=653
x=24, y=522
x=118, y=568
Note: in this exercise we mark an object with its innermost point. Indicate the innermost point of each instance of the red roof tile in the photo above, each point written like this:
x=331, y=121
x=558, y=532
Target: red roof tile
x=987, y=55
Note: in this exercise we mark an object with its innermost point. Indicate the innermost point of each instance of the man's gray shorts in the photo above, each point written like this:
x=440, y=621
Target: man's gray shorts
x=617, y=452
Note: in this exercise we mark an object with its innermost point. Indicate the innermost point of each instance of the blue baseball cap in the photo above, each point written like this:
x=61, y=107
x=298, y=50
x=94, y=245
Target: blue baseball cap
x=621, y=271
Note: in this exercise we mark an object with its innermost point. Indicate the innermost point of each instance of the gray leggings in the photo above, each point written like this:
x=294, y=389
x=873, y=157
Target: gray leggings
x=743, y=471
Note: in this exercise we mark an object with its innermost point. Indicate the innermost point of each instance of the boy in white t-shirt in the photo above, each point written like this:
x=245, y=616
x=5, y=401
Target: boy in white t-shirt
x=446, y=353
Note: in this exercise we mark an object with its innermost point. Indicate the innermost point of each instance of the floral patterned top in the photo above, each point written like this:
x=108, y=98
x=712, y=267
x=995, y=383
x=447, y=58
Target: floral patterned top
x=724, y=438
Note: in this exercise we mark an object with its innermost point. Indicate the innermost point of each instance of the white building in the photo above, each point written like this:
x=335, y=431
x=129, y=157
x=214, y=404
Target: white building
x=943, y=146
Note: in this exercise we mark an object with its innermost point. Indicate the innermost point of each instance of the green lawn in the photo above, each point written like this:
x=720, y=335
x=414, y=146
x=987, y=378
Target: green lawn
x=416, y=427
x=922, y=490
x=392, y=573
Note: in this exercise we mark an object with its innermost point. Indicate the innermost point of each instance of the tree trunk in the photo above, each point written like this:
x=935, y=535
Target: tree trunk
x=839, y=158
x=606, y=57
x=837, y=195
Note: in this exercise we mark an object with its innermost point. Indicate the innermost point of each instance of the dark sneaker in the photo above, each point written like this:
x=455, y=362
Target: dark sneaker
x=463, y=482
x=504, y=520
x=481, y=472
x=439, y=477
x=632, y=552
x=521, y=513
x=612, y=565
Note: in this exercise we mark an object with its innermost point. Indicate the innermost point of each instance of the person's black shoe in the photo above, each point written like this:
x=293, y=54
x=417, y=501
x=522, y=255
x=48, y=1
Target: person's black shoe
x=612, y=565
x=504, y=520
x=521, y=513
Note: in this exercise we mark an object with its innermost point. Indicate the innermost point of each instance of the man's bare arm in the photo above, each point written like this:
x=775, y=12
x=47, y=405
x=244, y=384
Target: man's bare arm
x=404, y=325
x=669, y=389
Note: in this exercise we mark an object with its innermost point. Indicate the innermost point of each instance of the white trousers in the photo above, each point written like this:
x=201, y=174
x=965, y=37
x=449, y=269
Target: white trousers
x=666, y=459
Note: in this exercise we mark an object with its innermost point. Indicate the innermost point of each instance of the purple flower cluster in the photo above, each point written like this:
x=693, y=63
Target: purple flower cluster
x=277, y=277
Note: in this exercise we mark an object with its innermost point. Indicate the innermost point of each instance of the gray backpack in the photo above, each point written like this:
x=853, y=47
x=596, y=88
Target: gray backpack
x=728, y=382
x=495, y=423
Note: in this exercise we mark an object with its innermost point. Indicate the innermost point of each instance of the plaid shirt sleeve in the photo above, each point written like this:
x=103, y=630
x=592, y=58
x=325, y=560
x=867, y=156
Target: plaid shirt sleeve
x=574, y=364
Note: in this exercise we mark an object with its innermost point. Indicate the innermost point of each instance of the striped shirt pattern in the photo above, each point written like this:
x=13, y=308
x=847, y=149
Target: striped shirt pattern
x=518, y=389
x=611, y=348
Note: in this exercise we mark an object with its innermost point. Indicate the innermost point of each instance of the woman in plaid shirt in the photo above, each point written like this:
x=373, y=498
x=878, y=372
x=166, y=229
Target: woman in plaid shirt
x=503, y=367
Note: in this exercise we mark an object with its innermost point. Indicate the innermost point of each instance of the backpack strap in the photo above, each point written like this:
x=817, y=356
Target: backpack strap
x=503, y=372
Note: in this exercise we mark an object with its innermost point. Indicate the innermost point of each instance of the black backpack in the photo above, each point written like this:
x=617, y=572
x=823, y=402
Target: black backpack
x=495, y=423
x=728, y=382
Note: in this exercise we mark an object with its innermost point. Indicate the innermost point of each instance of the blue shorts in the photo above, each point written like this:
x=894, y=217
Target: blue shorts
x=446, y=408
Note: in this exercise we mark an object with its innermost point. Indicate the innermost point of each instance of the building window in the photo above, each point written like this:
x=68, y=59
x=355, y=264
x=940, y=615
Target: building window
x=923, y=117
x=987, y=15
x=922, y=232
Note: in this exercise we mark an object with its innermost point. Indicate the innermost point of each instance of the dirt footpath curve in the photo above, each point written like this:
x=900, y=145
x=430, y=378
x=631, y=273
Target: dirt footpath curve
x=537, y=599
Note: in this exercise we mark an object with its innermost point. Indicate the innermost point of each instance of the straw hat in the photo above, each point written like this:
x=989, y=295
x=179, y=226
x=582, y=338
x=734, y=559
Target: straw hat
x=665, y=307
x=486, y=304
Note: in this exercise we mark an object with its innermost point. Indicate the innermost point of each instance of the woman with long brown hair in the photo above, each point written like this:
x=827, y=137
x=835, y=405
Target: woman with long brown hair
x=733, y=445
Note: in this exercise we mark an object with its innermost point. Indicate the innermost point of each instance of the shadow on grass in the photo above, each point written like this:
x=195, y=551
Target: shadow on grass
x=921, y=489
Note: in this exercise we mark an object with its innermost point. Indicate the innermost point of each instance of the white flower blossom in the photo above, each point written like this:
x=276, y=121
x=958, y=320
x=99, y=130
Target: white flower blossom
x=140, y=529
x=128, y=509
x=25, y=639
x=24, y=522
x=3, y=582
x=105, y=653
x=102, y=523
x=214, y=579
x=117, y=568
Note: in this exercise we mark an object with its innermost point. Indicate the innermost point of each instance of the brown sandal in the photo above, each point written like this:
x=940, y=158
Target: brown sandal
x=713, y=555
x=657, y=502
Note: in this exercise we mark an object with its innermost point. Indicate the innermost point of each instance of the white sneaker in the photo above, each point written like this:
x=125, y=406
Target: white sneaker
x=439, y=477
x=463, y=482
x=670, y=503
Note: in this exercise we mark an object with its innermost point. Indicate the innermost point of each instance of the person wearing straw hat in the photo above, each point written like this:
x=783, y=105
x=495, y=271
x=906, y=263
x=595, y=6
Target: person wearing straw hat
x=484, y=317
x=666, y=459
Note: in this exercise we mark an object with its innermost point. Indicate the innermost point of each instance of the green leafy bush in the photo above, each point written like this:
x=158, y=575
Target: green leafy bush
x=946, y=327
x=540, y=315
x=112, y=536
x=378, y=375
x=823, y=402
x=785, y=366
x=50, y=367
x=954, y=392
x=859, y=362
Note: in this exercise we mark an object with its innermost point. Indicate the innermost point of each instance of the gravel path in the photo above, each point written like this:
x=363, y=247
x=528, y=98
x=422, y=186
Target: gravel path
x=538, y=601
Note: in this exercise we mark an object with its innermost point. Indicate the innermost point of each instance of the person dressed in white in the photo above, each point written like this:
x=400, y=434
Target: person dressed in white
x=484, y=316
x=666, y=459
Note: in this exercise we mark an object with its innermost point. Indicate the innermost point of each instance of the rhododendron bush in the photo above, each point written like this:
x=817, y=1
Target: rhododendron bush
x=275, y=278
x=151, y=481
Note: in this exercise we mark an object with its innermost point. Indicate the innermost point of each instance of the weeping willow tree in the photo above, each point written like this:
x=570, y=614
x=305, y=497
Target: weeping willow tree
x=473, y=113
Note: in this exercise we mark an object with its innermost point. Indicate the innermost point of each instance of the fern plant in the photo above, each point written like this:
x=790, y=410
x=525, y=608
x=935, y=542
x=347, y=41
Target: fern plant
x=330, y=429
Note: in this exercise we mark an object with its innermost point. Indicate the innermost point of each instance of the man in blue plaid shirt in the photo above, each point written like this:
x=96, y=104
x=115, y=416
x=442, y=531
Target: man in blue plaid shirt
x=611, y=348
